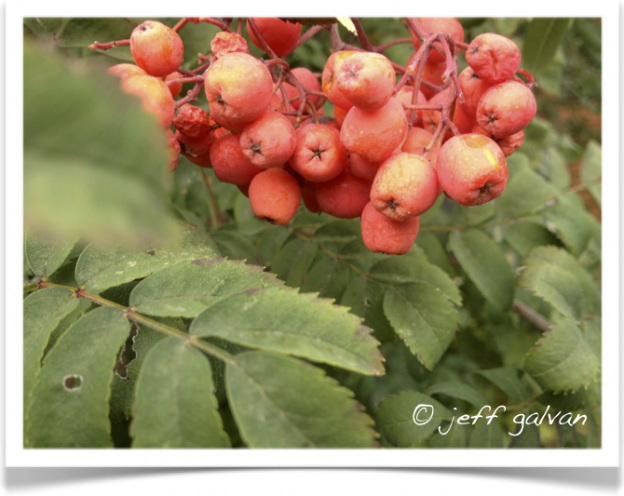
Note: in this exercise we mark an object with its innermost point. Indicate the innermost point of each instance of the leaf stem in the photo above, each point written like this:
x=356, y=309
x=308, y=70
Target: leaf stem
x=131, y=314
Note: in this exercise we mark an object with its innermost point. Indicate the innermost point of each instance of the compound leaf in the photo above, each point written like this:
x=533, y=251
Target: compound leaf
x=46, y=254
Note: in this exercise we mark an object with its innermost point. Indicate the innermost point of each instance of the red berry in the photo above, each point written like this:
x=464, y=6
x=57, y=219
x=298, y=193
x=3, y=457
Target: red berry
x=506, y=108
x=374, y=135
x=435, y=25
x=386, y=235
x=406, y=185
x=343, y=197
x=307, y=78
x=275, y=196
x=154, y=94
x=268, y=141
x=125, y=70
x=473, y=88
x=330, y=78
x=239, y=89
x=319, y=156
x=156, y=48
x=493, y=57
x=472, y=169
x=230, y=163
x=366, y=80
x=281, y=36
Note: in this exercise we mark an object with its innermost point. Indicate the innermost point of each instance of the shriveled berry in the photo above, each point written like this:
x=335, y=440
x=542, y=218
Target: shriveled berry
x=192, y=121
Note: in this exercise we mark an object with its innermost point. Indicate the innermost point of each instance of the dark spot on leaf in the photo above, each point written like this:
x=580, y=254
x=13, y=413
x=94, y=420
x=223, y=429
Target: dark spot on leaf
x=72, y=382
x=367, y=301
x=151, y=253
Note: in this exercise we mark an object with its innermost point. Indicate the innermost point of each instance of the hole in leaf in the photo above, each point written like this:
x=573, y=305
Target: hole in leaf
x=72, y=382
x=128, y=354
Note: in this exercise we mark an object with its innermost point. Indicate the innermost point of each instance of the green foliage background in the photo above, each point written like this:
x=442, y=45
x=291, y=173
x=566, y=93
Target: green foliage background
x=225, y=353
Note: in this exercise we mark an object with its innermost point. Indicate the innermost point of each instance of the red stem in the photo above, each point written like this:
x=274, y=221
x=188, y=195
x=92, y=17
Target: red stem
x=107, y=46
x=180, y=24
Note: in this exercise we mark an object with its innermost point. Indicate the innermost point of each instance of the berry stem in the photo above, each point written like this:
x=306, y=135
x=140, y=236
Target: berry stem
x=211, y=20
x=183, y=22
x=366, y=44
x=193, y=79
x=385, y=46
x=107, y=46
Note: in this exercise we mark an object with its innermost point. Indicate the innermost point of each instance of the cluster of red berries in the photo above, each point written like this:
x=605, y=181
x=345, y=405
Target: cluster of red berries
x=385, y=156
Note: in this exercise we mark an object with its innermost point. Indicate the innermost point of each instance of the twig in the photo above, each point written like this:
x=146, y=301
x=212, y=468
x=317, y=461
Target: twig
x=534, y=318
x=215, y=215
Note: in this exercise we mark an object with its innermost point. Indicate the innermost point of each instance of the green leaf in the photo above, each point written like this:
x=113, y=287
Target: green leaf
x=234, y=245
x=563, y=360
x=44, y=27
x=541, y=40
x=434, y=251
x=269, y=244
x=70, y=398
x=285, y=321
x=525, y=193
x=187, y=288
x=46, y=254
x=424, y=318
x=329, y=277
x=43, y=311
x=415, y=268
x=396, y=413
x=524, y=236
x=507, y=380
x=528, y=437
x=486, y=265
x=571, y=222
x=83, y=31
x=457, y=437
x=292, y=262
x=122, y=388
x=554, y=275
x=591, y=170
x=282, y=402
x=75, y=165
x=552, y=164
x=175, y=405
x=365, y=297
x=486, y=435
x=102, y=265
x=458, y=390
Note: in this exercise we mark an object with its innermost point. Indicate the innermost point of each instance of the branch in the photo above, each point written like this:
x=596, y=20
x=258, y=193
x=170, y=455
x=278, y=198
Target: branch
x=305, y=37
x=534, y=318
